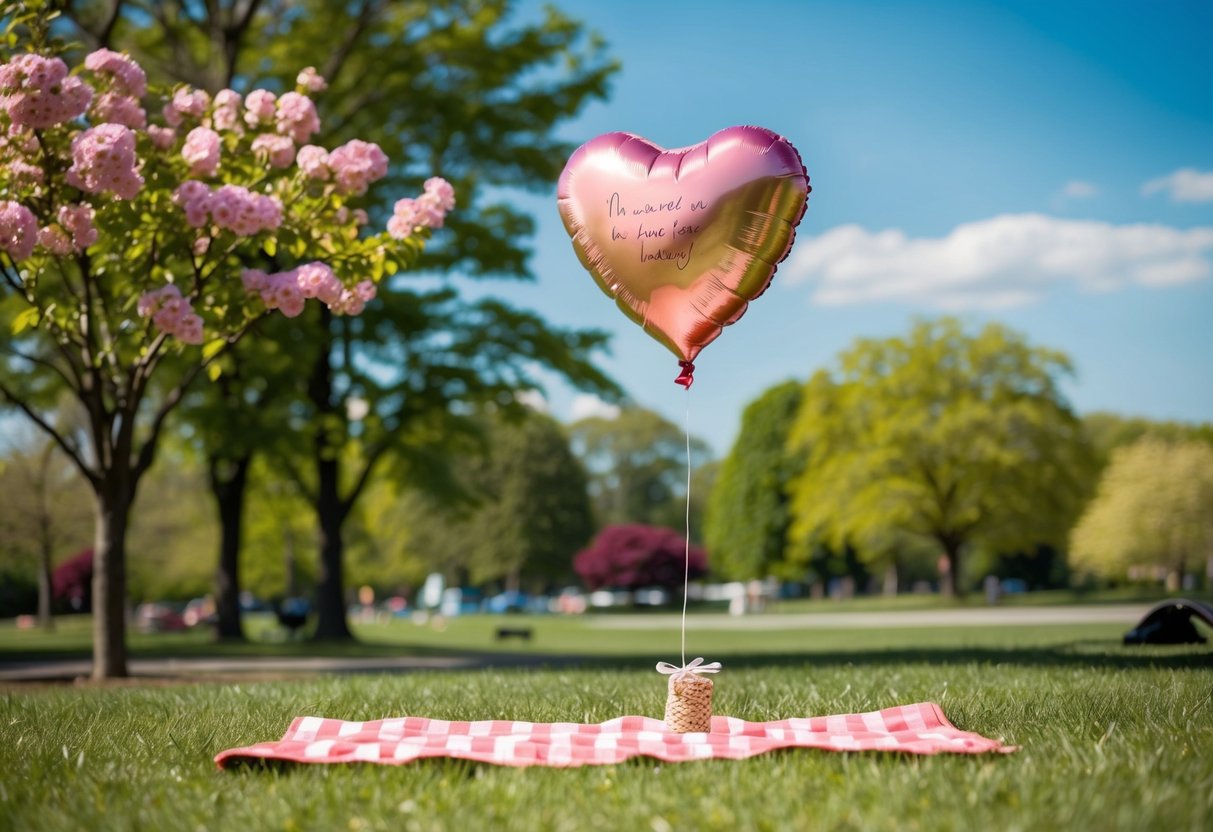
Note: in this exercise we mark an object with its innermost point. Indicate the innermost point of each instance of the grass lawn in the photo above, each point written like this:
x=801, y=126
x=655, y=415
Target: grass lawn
x=1112, y=738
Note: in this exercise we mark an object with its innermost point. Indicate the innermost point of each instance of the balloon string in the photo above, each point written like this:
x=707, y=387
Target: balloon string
x=686, y=560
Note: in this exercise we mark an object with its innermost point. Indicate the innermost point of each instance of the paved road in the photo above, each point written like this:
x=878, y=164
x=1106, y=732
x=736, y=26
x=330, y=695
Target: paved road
x=225, y=669
x=1127, y=614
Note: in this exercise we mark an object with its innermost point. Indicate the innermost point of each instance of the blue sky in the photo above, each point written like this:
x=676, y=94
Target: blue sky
x=1047, y=165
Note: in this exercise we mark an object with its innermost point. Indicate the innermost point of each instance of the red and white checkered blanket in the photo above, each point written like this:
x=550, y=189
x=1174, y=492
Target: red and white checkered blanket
x=915, y=729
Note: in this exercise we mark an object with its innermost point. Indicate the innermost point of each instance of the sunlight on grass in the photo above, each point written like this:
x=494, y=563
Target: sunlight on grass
x=1111, y=737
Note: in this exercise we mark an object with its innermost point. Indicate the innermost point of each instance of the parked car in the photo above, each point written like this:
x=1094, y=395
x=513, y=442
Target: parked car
x=158, y=617
x=200, y=612
x=508, y=601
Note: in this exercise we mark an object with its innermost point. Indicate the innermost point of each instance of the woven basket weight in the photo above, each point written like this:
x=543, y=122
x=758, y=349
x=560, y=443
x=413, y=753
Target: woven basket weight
x=688, y=707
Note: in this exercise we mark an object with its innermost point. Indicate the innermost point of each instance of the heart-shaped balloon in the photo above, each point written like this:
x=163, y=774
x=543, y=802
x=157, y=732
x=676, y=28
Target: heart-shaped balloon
x=684, y=239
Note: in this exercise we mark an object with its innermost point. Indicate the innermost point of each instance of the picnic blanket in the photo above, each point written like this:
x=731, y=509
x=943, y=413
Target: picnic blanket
x=914, y=729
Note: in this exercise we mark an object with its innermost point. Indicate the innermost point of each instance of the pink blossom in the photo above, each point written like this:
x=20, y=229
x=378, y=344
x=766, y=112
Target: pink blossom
x=149, y=302
x=429, y=214
x=410, y=214
x=201, y=151
x=316, y=280
x=279, y=150
x=21, y=139
x=243, y=212
x=426, y=211
x=313, y=161
x=353, y=301
x=227, y=100
x=55, y=240
x=226, y=115
x=259, y=108
x=162, y=137
x=103, y=159
x=297, y=116
x=191, y=102
x=311, y=80
x=115, y=108
x=171, y=117
x=281, y=291
x=194, y=197
x=23, y=172
x=356, y=164
x=37, y=92
x=201, y=246
x=254, y=280
x=400, y=225
x=171, y=313
x=189, y=328
x=78, y=220
x=349, y=304
x=127, y=76
x=441, y=191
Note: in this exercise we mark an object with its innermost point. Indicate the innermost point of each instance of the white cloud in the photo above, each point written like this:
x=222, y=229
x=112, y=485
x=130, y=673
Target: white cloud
x=1008, y=260
x=1077, y=189
x=1185, y=185
x=533, y=399
x=586, y=406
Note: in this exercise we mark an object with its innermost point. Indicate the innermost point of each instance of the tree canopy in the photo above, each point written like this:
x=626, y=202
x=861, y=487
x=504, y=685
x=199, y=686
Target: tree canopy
x=527, y=511
x=466, y=89
x=748, y=516
x=953, y=437
x=637, y=464
x=1153, y=511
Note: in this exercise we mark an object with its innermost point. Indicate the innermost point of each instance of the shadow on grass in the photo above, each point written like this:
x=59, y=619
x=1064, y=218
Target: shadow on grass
x=1083, y=653
x=381, y=658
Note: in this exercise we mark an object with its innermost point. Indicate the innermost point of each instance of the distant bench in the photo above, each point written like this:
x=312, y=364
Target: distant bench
x=523, y=633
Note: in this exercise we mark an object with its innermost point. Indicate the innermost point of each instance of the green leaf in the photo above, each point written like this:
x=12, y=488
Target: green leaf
x=214, y=371
x=212, y=348
x=28, y=318
x=270, y=246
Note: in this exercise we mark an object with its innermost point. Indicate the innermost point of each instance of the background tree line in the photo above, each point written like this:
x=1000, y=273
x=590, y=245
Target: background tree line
x=859, y=472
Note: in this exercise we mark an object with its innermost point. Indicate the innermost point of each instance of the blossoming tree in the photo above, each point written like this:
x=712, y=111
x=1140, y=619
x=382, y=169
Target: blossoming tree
x=143, y=232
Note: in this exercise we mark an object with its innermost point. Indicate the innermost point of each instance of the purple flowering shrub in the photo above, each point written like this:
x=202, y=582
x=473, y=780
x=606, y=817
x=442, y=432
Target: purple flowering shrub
x=635, y=555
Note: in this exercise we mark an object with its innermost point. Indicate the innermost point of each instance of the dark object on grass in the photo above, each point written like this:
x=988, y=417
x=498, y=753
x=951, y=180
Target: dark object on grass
x=523, y=633
x=292, y=614
x=1171, y=623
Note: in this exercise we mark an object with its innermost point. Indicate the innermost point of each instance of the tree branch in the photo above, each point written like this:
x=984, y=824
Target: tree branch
x=147, y=451
x=107, y=31
x=42, y=362
x=296, y=476
x=337, y=58
x=373, y=456
x=67, y=447
x=233, y=36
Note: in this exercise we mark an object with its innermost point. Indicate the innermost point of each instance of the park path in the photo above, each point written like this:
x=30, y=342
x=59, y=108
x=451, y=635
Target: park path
x=219, y=668
x=229, y=668
x=1127, y=614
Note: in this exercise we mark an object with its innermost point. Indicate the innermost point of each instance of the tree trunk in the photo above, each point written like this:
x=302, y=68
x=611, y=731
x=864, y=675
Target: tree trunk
x=113, y=504
x=45, y=620
x=952, y=587
x=889, y=586
x=229, y=485
x=331, y=623
x=46, y=541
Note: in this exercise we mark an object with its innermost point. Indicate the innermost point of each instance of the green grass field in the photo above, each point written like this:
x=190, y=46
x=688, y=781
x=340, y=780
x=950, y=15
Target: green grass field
x=1112, y=737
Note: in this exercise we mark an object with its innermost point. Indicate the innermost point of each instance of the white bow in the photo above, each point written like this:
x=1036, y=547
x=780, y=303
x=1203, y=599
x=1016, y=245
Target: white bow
x=693, y=666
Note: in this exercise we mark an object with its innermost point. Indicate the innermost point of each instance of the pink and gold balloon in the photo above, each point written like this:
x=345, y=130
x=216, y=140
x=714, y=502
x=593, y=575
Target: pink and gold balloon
x=684, y=239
